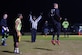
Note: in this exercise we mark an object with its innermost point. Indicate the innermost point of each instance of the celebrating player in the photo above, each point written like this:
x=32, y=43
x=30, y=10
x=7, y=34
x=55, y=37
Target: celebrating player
x=34, y=22
x=55, y=14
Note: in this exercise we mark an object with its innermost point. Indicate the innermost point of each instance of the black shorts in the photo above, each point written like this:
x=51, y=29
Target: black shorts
x=15, y=37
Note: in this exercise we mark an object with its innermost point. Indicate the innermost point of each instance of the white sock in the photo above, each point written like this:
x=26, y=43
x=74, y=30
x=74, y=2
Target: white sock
x=2, y=40
x=17, y=50
x=5, y=39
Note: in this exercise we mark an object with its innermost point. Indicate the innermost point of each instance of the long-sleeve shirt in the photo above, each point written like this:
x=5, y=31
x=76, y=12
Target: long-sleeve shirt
x=35, y=23
x=4, y=22
x=55, y=14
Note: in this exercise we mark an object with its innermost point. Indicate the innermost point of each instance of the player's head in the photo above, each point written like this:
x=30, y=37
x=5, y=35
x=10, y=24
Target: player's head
x=46, y=21
x=5, y=16
x=34, y=18
x=20, y=16
x=65, y=19
x=55, y=5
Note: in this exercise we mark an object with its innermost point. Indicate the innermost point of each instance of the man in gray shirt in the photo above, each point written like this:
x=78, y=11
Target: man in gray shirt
x=34, y=23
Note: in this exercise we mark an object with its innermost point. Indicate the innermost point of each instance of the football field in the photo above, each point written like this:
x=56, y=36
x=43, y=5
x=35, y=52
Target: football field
x=43, y=46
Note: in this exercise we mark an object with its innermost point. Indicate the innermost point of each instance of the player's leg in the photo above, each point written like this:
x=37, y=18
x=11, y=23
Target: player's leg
x=35, y=34
x=16, y=43
x=17, y=48
x=32, y=35
x=54, y=32
x=64, y=32
x=6, y=33
x=67, y=32
x=58, y=32
x=46, y=32
x=6, y=36
x=53, y=36
x=3, y=37
x=19, y=39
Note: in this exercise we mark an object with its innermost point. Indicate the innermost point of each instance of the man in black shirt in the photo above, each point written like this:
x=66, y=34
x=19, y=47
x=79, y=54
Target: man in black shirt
x=5, y=29
x=55, y=15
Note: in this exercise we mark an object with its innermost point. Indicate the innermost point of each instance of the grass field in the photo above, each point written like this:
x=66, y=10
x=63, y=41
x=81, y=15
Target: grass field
x=43, y=46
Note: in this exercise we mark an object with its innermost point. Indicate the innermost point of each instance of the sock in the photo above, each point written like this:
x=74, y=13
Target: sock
x=5, y=39
x=17, y=50
x=2, y=40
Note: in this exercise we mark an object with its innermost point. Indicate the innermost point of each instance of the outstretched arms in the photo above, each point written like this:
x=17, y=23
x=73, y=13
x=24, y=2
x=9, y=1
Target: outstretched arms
x=39, y=17
x=30, y=17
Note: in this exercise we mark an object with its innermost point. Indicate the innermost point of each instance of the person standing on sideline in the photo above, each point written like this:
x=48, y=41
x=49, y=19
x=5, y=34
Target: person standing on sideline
x=17, y=33
x=5, y=30
x=56, y=18
x=46, y=28
x=65, y=25
x=34, y=22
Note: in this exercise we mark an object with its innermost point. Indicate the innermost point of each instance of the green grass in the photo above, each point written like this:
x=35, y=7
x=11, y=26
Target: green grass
x=43, y=46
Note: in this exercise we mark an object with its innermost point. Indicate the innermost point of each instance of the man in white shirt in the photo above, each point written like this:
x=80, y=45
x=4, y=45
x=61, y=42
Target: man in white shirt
x=34, y=22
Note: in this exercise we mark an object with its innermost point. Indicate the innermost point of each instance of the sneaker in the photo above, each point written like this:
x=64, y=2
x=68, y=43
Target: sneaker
x=16, y=52
x=4, y=44
x=58, y=42
x=53, y=42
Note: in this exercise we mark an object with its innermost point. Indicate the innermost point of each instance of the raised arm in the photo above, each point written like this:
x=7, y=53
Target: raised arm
x=31, y=18
x=39, y=18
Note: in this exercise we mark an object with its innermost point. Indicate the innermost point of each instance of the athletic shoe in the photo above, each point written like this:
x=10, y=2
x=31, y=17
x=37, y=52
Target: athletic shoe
x=4, y=44
x=58, y=42
x=16, y=52
x=53, y=42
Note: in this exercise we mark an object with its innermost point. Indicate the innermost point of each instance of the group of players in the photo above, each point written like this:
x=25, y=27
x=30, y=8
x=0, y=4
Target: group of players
x=56, y=18
x=16, y=32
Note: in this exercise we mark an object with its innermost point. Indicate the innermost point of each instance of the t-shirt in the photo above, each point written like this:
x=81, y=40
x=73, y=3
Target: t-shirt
x=19, y=24
x=65, y=24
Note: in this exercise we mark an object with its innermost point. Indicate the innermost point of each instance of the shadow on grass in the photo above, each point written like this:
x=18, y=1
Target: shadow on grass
x=26, y=40
x=7, y=51
x=0, y=45
x=44, y=49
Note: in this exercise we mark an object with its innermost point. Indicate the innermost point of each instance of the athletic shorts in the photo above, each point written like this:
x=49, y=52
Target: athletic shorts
x=15, y=37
